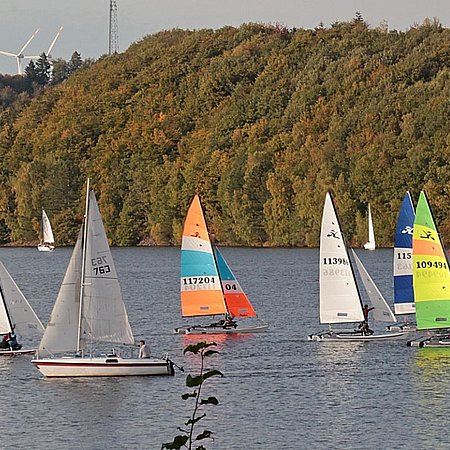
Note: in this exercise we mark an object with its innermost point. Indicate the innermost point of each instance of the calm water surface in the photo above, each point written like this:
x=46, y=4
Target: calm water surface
x=278, y=392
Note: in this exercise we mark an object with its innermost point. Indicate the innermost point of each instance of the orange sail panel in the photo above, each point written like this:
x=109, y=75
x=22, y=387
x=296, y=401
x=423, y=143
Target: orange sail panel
x=201, y=292
x=238, y=304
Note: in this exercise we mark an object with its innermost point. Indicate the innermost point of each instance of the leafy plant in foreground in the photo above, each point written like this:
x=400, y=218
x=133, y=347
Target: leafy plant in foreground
x=188, y=439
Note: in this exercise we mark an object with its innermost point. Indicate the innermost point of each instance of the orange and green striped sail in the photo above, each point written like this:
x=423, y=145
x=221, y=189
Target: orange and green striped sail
x=431, y=276
x=201, y=290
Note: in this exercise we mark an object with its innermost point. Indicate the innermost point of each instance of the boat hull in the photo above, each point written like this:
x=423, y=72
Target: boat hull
x=221, y=330
x=369, y=246
x=22, y=351
x=347, y=337
x=111, y=366
x=45, y=248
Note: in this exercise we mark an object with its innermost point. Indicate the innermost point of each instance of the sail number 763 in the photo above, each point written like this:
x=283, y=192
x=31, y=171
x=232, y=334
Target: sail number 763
x=100, y=265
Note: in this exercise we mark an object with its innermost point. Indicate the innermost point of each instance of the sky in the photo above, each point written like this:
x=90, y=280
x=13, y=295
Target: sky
x=86, y=22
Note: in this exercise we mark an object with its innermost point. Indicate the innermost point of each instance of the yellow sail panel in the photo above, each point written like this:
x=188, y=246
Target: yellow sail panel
x=431, y=276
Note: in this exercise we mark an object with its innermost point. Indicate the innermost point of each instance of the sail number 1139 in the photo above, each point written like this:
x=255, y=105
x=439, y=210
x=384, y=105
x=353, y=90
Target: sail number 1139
x=334, y=261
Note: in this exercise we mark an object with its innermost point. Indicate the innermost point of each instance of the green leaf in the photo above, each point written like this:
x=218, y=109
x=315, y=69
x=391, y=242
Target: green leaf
x=187, y=395
x=195, y=348
x=212, y=373
x=209, y=400
x=195, y=420
x=194, y=381
x=205, y=435
x=176, y=444
x=210, y=352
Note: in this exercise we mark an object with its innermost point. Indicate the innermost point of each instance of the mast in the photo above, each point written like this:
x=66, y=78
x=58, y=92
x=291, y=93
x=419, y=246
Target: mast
x=213, y=247
x=83, y=265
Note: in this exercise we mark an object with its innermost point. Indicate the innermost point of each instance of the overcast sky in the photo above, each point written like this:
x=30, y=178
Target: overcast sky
x=85, y=22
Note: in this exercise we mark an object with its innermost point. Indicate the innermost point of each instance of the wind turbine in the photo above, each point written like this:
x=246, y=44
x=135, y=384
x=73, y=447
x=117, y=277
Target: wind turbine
x=20, y=56
x=48, y=52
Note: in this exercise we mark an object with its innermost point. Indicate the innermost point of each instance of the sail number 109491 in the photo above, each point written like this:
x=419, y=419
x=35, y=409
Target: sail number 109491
x=431, y=265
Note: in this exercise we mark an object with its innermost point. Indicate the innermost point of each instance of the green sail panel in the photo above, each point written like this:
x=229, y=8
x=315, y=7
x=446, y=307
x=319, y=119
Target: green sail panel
x=431, y=276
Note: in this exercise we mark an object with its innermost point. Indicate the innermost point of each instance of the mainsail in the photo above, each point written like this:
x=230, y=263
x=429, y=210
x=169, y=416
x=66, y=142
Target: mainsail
x=47, y=233
x=403, y=272
x=339, y=298
x=431, y=276
x=201, y=291
x=237, y=302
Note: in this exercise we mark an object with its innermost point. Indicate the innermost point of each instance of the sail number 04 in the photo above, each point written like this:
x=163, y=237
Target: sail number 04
x=100, y=265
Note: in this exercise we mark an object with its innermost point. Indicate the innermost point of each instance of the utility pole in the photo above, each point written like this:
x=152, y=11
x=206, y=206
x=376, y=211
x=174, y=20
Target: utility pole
x=113, y=28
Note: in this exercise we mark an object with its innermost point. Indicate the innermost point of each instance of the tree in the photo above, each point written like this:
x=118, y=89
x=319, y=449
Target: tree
x=43, y=70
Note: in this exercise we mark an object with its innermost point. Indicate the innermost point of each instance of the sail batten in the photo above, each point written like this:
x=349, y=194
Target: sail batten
x=431, y=276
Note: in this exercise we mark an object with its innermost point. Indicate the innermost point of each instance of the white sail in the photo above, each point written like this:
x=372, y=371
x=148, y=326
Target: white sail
x=23, y=318
x=47, y=233
x=5, y=324
x=61, y=332
x=104, y=315
x=370, y=245
x=339, y=297
x=382, y=312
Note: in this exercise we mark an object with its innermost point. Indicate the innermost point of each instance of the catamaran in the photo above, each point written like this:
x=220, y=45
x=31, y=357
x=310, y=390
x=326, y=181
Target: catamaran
x=17, y=317
x=431, y=280
x=208, y=286
x=403, y=278
x=89, y=309
x=340, y=299
x=47, y=239
x=370, y=245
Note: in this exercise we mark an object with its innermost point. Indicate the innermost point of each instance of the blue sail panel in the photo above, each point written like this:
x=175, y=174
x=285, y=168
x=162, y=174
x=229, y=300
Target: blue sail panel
x=403, y=283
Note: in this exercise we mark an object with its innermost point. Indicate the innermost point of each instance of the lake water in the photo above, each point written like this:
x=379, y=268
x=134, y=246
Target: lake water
x=278, y=391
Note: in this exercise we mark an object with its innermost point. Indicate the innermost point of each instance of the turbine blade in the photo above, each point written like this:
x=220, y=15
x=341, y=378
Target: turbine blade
x=31, y=57
x=53, y=42
x=8, y=54
x=29, y=40
x=19, y=66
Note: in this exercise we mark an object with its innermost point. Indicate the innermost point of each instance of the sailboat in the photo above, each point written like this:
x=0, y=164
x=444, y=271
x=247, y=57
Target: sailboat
x=16, y=315
x=431, y=280
x=208, y=286
x=403, y=278
x=47, y=239
x=89, y=310
x=340, y=299
x=370, y=245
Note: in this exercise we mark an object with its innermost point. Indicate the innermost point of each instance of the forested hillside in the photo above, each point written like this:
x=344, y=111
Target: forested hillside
x=259, y=120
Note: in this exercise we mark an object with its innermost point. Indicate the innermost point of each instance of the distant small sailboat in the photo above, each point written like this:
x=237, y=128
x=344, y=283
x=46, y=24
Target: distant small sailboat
x=47, y=239
x=340, y=300
x=89, y=310
x=431, y=280
x=16, y=316
x=208, y=286
x=370, y=245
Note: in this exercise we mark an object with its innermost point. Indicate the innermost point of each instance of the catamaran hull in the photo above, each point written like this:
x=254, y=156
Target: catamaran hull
x=24, y=351
x=45, y=248
x=221, y=330
x=344, y=337
x=405, y=328
x=102, y=367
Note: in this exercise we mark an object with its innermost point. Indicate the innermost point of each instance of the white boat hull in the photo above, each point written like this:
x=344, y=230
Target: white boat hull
x=406, y=328
x=369, y=246
x=221, y=330
x=110, y=366
x=22, y=351
x=347, y=337
x=45, y=248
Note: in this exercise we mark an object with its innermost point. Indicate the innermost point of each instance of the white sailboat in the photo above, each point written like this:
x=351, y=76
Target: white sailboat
x=16, y=316
x=370, y=245
x=47, y=239
x=89, y=310
x=340, y=300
